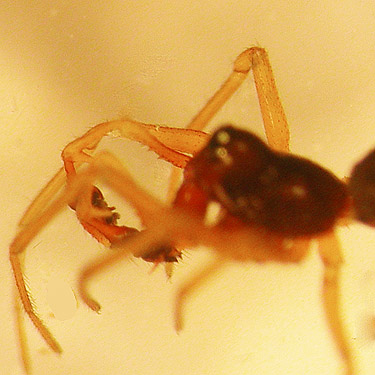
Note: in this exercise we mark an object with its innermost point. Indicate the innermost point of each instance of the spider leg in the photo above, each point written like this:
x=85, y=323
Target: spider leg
x=191, y=285
x=22, y=339
x=45, y=196
x=330, y=253
x=35, y=210
x=137, y=244
x=274, y=119
x=17, y=247
x=171, y=144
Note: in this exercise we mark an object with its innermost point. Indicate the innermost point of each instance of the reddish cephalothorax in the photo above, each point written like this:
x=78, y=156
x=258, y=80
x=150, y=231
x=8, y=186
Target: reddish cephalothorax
x=283, y=193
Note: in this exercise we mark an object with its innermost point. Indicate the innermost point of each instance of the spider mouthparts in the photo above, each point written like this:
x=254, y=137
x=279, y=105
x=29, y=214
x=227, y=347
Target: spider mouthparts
x=162, y=253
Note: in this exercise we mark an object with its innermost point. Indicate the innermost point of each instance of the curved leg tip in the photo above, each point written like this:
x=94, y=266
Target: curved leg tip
x=178, y=326
x=178, y=321
x=94, y=306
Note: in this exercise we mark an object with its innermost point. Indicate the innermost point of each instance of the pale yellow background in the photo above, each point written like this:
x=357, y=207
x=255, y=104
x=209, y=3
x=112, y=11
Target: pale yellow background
x=68, y=65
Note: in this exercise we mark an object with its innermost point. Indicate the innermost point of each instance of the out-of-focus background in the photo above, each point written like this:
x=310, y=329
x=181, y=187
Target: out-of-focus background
x=66, y=66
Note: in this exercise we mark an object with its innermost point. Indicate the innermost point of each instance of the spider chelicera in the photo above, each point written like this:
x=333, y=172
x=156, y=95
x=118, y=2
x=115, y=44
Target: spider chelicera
x=271, y=204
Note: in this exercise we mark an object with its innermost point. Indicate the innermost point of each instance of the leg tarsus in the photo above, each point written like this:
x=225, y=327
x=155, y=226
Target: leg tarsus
x=24, y=349
x=26, y=302
x=82, y=289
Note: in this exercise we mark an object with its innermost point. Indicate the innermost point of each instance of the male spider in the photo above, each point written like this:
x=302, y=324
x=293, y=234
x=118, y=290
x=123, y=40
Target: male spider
x=272, y=204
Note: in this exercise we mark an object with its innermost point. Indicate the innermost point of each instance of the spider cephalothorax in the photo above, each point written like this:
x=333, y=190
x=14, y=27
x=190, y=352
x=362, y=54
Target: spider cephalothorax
x=284, y=193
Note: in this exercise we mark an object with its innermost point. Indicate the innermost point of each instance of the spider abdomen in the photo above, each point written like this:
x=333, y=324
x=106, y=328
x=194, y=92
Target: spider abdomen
x=362, y=189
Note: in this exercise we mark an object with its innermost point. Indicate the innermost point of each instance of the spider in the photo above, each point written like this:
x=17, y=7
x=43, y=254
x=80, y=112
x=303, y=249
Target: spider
x=272, y=204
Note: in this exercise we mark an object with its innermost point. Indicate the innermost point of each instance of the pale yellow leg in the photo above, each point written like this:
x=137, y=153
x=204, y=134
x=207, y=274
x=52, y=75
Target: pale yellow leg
x=22, y=339
x=191, y=285
x=274, y=119
x=136, y=244
x=35, y=210
x=19, y=244
x=171, y=144
x=330, y=253
x=43, y=199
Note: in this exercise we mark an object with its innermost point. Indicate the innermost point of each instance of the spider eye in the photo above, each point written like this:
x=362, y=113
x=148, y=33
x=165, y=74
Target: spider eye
x=235, y=147
x=222, y=137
